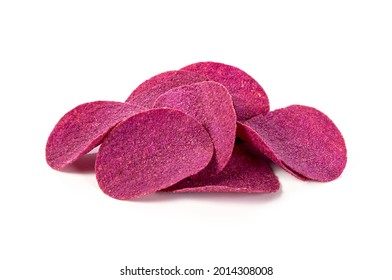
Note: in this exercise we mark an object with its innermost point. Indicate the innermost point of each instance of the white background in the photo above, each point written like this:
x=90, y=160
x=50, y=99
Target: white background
x=332, y=55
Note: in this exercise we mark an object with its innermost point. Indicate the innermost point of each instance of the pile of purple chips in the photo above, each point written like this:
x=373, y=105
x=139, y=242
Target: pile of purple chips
x=204, y=128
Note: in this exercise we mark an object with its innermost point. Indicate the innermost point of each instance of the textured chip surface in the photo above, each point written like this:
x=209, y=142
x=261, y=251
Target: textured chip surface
x=247, y=171
x=83, y=128
x=148, y=91
x=300, y=139
x=150, y=151
x=211, y=104
x=249, y=97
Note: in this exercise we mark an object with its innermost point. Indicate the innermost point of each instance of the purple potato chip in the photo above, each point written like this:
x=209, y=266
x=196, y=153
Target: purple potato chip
x=249, y=97
x=247, y=171
x=148, y=91
x=300, y=139
x=212, y=106
x=151, y=151
x=83, y=128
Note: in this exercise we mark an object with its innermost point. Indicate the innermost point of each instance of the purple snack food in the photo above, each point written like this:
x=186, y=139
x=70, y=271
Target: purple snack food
x=83, y=128
x=211, y=104
x=249, y=97
x=148, y=91
x=300, y=139
x=247, y=171
x=150, y=151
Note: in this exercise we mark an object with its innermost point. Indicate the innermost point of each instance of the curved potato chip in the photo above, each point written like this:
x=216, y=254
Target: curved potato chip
x=150, y=151
x=300, y=139
x=83, y=128
x=212, y=106
x=249, y=97
x=148, y=91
